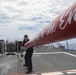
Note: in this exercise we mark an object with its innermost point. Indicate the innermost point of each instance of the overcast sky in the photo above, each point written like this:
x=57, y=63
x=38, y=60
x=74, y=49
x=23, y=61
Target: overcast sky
x=19, y=17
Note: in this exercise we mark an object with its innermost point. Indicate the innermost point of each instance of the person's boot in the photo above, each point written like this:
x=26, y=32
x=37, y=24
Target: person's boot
x=24, y=65
x=28, y=72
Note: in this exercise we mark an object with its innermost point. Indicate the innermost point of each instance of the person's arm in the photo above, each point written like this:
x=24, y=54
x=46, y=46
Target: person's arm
x=23, y=43
x=23, y=48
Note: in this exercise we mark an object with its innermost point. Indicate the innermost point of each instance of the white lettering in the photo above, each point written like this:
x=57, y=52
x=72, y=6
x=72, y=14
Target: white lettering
x=69, y=19
x=48, y=30
x=54, y=27
x=51, y=28
x=42, y=34
x=75, y=16
x=68, y=10
x=38, y=37
x=63, y=23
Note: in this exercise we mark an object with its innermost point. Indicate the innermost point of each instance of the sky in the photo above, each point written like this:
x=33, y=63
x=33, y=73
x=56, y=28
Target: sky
x=20, y=17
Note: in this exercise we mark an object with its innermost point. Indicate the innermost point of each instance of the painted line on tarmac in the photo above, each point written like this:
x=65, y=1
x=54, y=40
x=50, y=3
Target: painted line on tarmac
x=22, y=74
x=49, y=53
x=53, y=73
x=9, y=56
x=38, y=55
x=60, y=72
x=49, y=73
x=71, y=73
x=45, y=53
x=70, y=54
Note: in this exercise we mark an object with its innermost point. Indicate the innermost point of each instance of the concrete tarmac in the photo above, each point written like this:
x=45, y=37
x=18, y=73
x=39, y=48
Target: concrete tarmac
x=46, y=61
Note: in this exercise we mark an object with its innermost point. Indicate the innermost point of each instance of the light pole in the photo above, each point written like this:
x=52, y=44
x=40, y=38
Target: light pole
x=67, y=45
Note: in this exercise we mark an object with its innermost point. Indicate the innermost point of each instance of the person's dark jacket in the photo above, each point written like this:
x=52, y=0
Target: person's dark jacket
x=29, y=49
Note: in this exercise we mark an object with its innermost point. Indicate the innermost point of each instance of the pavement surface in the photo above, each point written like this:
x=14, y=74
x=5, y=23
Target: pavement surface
x=46, y=61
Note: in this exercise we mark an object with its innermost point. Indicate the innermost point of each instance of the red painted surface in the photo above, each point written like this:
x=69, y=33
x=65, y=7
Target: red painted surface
x=62, y=28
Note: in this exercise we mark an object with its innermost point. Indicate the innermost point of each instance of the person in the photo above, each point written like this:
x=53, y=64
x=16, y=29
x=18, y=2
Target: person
x=28, y=55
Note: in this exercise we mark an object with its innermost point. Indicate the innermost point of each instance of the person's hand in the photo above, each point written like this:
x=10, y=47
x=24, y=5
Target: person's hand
x=23, y=48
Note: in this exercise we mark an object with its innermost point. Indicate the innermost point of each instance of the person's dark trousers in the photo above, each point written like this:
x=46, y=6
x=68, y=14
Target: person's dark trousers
x=30, y=61
x=26, y=58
